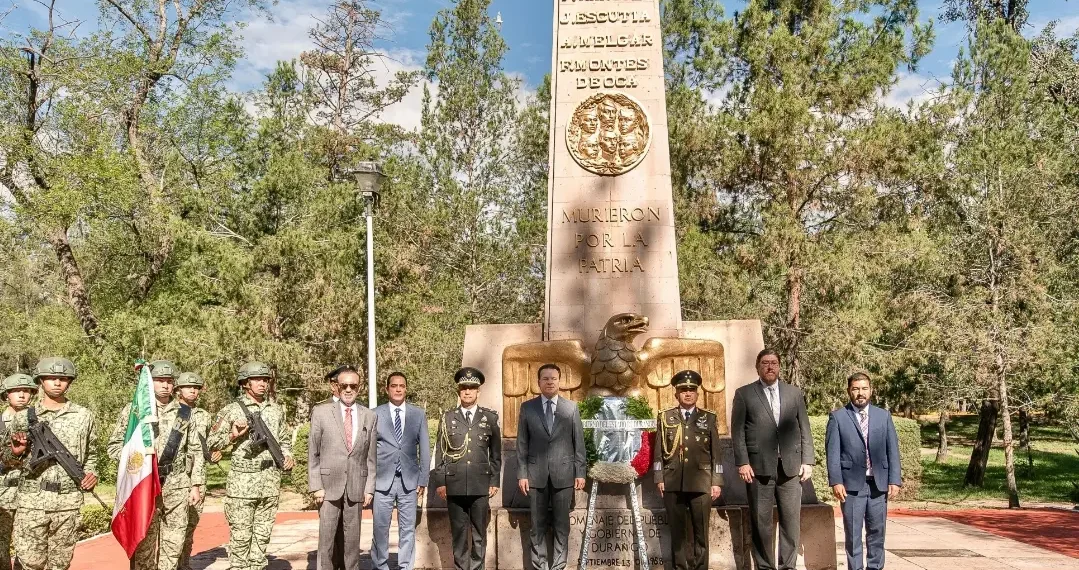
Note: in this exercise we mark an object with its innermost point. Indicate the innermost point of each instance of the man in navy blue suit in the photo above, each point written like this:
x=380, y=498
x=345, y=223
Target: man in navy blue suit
x=402, y=471
x=863, y=470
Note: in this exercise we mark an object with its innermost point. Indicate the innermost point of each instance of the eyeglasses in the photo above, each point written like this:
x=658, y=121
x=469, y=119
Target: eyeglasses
x=344, y=387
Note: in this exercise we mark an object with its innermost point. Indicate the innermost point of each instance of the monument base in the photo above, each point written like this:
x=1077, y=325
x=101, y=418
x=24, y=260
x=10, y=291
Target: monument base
x=614, y=546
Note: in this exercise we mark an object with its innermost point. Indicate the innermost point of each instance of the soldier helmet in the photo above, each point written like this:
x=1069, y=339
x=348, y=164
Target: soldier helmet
x=17, y=381
x=54, y=366
x=687, y=379
x=468, y=377
x=189, y=379
x=253, y=370
x=164, y=369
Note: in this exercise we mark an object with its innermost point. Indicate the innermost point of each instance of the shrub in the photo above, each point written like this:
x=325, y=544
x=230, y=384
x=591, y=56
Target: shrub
x=296, y=480
x=93, y=520
x=910, y=453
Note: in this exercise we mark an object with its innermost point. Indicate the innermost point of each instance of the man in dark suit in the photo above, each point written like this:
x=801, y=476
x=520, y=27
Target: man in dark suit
x=468, y=463
x=340, y=468
x=773, y=449
x=401, y=473
x=689, y=474
x=550, y=465
x=863, y=469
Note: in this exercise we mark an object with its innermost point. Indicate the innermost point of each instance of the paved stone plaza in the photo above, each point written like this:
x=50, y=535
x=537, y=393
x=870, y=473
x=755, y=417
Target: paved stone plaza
x=915, y=541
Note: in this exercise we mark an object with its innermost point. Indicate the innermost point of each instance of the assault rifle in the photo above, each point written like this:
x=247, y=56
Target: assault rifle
x=45, y=447
x=261, y=435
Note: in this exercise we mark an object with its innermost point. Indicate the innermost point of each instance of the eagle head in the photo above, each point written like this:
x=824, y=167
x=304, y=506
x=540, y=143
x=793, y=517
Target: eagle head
x=625, y=327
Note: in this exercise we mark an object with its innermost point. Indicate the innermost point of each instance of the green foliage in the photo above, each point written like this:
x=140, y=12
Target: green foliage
x=638, y=409
x=910, y=455
x=296, y=480
x=93, y=520
x=589, y=407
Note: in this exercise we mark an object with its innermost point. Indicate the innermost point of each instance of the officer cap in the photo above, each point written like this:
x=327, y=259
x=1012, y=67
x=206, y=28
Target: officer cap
x=332, y=375
x=687, y=379
x=468, y=377
x=16, y=381
x=163, y=369
x=253, y=370
x=189, y=379
x=54, y=366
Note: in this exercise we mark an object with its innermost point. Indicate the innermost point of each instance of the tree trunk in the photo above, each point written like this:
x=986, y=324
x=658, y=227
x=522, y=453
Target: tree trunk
x=1009, y=444
x=794, y=321
x=979, y=457
x=1024, y=436
x=76, y=286
x=942, y=435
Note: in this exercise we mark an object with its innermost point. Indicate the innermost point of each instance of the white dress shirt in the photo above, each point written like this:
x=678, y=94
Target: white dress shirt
x=465, y=411
x=393, y=414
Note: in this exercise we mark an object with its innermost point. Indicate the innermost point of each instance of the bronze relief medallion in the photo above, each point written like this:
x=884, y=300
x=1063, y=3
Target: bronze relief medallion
x=609, y=134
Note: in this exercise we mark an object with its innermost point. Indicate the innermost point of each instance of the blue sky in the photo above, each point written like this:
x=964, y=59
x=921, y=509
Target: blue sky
x=527, y=29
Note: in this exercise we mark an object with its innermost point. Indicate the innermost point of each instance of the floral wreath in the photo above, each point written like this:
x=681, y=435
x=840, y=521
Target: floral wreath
x=613, y=472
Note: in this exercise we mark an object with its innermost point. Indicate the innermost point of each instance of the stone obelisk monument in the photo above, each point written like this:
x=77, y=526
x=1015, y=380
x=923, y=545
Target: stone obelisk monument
x=612, y=280
x=610, y=238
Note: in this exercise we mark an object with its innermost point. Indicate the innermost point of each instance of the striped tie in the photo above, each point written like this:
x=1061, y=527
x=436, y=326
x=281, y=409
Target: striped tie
x=348, y=428
x=863, y=422
x=397, y=426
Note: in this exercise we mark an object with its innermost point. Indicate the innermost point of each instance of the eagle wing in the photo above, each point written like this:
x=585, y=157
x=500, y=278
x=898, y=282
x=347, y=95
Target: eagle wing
x=519, y=365
x=661, y=358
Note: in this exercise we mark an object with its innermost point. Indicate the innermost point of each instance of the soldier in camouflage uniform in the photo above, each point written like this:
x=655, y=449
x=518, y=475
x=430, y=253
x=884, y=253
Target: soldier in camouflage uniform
x=180, y=465
x=18, y=390
x=188, y=387
x=253, y=486
x=49, y=500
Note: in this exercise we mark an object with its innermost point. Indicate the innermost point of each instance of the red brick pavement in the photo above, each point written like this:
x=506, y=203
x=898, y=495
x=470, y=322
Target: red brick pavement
x=1056, y=530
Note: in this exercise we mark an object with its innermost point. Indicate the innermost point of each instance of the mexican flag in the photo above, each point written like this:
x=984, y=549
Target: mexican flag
x=137, y=486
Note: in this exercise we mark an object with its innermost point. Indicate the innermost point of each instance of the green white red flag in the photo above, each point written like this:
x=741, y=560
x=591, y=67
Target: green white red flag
x=137, y=485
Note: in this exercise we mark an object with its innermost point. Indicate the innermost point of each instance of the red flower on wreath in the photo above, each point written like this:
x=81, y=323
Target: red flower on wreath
x=643, y=459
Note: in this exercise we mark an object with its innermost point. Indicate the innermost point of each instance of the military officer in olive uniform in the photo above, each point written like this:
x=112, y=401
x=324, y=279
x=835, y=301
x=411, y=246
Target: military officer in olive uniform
x=468, y=463
x=188, y=387
x=179, y=466
x=688, y=471
x=253, y=486
x=49, y=500
x=17, y=390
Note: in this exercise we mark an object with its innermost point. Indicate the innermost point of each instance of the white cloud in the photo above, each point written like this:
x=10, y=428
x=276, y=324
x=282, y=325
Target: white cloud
x=911, y=88
x=266, y=42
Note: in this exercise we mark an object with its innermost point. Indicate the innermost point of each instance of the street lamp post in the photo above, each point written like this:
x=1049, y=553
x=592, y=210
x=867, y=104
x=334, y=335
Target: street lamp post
x=369, y=177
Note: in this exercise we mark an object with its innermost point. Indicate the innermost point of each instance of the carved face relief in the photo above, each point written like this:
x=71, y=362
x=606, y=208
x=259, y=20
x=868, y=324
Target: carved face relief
x=608, y=134
x=590, y=120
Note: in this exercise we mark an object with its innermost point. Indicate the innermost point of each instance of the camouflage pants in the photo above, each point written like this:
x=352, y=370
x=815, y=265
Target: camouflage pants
x=7, y=520
x=194, y=513
x=161, y=548
x=250, y=523
x=45, y=540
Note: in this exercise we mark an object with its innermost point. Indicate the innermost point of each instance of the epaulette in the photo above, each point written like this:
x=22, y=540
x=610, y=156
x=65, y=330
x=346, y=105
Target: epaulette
x=710, y=412
x=489, y=411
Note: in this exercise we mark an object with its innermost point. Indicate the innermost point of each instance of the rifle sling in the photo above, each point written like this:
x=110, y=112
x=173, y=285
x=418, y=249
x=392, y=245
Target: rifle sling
x=172, y=445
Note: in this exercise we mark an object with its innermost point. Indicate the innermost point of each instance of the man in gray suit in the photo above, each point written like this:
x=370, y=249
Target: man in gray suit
x=340, y=468
x=773, y=449
x=403, y=468
x=863, y=469
x=550, y=465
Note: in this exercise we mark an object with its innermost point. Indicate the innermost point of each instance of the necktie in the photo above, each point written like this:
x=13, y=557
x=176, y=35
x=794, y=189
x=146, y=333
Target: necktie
x=468, y=417
x=348, y=428
x=687, y=414
x=550, y=415
x=397, y=425
x=863, y=423
x=773, y=400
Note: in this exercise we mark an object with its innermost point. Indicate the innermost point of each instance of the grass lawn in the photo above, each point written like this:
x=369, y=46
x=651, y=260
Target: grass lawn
x=1056, y=465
